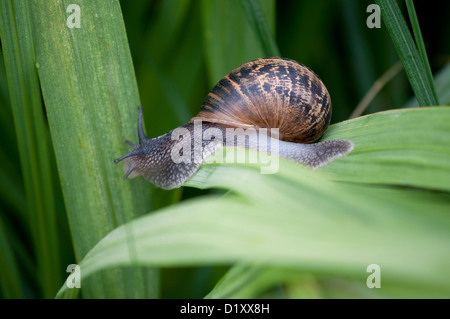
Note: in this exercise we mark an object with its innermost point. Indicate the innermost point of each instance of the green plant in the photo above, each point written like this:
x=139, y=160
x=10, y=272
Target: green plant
x=311, y=233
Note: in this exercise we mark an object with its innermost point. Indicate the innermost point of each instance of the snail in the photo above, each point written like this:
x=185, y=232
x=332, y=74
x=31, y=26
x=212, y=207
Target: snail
x=267, y=93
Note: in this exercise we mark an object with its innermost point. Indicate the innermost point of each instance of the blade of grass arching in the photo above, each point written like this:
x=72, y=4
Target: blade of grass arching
x=228, y=38
x=421, y=45
x=91, y=98
x=407, y=51
x=10, y=283
x=32, y=137
x=295, y=219
x=261, y=27
x=402, y=147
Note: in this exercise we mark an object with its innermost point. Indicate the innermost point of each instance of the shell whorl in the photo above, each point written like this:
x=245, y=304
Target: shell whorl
x=271, y=93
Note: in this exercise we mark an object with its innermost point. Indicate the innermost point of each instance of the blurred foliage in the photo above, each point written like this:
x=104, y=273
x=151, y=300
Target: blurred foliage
x=180, y=49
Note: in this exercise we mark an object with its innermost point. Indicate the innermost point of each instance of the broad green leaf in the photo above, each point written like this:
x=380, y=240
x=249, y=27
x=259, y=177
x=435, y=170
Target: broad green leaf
x=401, y=147
x=91, y=98
x=33, y=143
x=282, y=220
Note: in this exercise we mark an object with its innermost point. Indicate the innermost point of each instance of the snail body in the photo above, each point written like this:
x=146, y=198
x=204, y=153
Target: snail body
x=270, y=93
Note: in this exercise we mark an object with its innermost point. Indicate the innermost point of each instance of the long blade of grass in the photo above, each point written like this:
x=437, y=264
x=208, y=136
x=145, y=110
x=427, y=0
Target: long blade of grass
x=91, y=98
x=407, y=51
x=255, y=16
x=32, y=137
x=421, y=45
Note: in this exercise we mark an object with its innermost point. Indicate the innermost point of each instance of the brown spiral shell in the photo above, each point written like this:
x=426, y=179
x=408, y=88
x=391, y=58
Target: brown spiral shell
x=271, y=93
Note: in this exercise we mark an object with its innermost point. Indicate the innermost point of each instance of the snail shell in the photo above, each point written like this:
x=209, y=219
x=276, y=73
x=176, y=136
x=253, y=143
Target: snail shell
x=264, y=93
x=271, y=93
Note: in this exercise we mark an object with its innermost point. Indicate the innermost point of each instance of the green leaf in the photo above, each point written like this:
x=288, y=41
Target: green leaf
x=401, y=147
x=282, y=220
x=407, y=51
x=33, y=142
x=91, y=98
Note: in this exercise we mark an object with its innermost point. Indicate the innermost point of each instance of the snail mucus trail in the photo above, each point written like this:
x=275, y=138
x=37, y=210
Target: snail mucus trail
x=258, y=96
